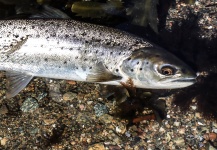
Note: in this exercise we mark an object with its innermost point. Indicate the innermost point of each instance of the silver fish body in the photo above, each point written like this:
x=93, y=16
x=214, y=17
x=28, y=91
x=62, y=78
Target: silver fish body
x=67, y=49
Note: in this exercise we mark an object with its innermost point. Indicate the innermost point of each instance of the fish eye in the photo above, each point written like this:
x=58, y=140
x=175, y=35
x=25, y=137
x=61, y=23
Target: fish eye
x=167, y=70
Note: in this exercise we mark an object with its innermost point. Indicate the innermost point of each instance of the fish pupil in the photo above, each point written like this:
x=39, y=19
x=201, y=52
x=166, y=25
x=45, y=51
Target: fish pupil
x=167, y=70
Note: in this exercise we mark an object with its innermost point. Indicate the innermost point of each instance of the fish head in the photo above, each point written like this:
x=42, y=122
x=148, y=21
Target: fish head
x=156, y=68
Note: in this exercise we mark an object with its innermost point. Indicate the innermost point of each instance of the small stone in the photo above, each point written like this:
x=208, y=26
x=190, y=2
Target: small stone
x=182, y=131
x=82, y=107
x=69, y=96
x=176, y=123
x=89, y=102
x=3, y=110
x=106, y=118
x=121, y=128
x=97, y=146
x=179, y=141
x=100, y=109
x=49, y=121
x=71, y=82
x=29, y=105
x=161, y=129
x=4, y=141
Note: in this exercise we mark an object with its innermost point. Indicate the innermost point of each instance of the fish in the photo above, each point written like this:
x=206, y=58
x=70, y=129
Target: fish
x=72, y=50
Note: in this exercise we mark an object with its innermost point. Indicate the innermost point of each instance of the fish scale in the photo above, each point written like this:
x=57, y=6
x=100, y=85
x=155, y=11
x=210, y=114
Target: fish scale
x=72, y=50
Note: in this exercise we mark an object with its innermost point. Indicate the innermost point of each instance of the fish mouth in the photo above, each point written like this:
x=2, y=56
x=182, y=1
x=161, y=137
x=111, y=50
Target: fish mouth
x=193, y=80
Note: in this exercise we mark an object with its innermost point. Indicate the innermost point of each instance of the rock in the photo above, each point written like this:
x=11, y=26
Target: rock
x=69, y=96
x=106, y=118
x=4, y=141
x=3, y=110
x=97, y=146
x=100, y=109
x=29, y=105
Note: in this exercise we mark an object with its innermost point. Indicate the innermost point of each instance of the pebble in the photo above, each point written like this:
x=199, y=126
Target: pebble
x=29, y=105
x=4, y=141
x=69, y=96
x=179, y=141
x=106, y=118
x=121, y=128
x=181, y=130
x=100, y=109
x=97, y=146
x=49, y=121
x=176, y=123
x=3, y=110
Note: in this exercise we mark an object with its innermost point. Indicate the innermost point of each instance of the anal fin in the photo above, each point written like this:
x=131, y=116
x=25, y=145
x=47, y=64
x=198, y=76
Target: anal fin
x=101, y=74
x=16, y=81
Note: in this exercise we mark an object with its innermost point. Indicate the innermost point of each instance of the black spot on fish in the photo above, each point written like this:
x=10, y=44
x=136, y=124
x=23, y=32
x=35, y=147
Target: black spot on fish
x=61, y=48
x=46, y=59
x=96, y=51
x=117, y=70
x=76, y=57
x=10, y=23
x=147, y=62
x=140, y=68
x=90, y=67
x=42, y=45
x=111, y=53
x=70, y=49
x=59, y=66
x=131, y=70
x=85, y=59
x=85, y=52
x=137, y=63
x=102, y=54
x=53, y=35
x=65, y=62
x=32, y=61
x=16, y=36
x=24, y=28
x=129, y=59
x=33, y=27
x=46, y=31
x=119, y=53
x=83, y=34
x=66, y=36
x=106, y=67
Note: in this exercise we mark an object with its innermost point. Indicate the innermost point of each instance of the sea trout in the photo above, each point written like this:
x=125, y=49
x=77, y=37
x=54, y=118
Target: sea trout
x=72, y=50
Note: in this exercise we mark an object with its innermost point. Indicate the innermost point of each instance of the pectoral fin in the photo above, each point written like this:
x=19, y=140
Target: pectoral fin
x=16, y=81
x=101, y=74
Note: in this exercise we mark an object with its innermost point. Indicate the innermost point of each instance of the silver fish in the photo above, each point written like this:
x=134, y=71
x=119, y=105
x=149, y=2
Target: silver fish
x=71, y=50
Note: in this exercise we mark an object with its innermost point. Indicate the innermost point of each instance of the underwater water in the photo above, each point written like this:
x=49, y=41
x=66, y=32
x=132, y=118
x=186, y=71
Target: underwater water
x=60, y=114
